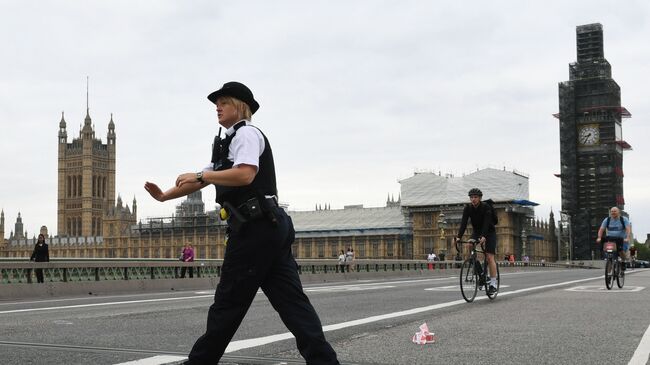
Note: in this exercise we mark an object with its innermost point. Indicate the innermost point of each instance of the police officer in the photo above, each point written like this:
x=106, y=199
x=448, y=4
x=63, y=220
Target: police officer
x=259, y=235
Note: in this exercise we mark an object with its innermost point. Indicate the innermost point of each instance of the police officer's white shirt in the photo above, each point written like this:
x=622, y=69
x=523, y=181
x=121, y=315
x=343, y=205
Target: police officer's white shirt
x=246, y=147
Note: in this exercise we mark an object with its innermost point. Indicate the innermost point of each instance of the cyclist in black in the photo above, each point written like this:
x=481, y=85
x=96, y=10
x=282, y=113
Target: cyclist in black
x=483, y=230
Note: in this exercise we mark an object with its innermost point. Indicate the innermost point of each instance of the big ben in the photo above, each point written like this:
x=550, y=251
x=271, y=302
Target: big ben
x=591, y=141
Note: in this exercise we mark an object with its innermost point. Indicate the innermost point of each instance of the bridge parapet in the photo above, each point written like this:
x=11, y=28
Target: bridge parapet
x=89, y=270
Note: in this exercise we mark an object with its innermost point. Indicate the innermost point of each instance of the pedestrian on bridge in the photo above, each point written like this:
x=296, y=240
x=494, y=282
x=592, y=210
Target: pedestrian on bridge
x=188, y=256
x=259, y=234
x=41, y=253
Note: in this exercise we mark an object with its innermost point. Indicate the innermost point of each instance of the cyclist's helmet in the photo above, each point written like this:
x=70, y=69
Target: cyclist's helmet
x=475, y=191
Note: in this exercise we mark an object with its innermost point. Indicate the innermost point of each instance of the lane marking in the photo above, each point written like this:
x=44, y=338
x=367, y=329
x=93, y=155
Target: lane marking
x=341, y=287
x=103, y=304
x=90, y=305
x=348, y=288
x=602, y=289
x=254, y=342
x=156, y=360
x=642, y=353
x=457, y=288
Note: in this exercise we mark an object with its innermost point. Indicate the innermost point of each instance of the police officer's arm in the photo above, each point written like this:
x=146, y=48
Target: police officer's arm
x=239, y=175
x=174, y=192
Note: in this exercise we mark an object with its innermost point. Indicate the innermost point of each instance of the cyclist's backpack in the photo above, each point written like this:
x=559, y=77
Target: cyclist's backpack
x=495, y=219
x=622, y=222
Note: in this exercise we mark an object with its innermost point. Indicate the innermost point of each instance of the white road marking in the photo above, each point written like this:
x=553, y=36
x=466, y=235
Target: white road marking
x=315, y=288
x=457, y=288
x=348, y=288
x=602, y=289
x=260, y=341
x=103, y=304
x=254, y=342
x=155, y=360
x=642, y=353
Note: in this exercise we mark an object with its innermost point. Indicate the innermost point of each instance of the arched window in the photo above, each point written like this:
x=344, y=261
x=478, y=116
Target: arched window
x=104, y=187
x=79, y=187
x=74, y=186
x=69, y=186
x=94, y=185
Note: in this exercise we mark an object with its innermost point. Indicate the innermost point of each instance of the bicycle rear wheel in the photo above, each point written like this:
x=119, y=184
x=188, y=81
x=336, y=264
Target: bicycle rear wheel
x=609, y=271
x=468, y=280
x=493, y=295
x=620, y=277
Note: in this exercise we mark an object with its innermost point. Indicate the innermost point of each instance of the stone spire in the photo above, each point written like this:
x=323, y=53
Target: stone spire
x=111, y=131
x=63, y=134
x=87, y=130
x=18, y=228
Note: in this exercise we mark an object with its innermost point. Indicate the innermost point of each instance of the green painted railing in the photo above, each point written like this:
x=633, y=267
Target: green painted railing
x=16, y=271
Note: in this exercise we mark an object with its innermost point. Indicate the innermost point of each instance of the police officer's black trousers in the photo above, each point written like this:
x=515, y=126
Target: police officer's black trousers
x=260, y=256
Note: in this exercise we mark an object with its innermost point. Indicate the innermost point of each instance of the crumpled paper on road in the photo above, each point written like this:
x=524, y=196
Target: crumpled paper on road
x=424, y=336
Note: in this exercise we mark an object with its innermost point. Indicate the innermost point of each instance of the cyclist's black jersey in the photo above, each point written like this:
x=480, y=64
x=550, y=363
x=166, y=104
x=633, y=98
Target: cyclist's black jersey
x=481, y=217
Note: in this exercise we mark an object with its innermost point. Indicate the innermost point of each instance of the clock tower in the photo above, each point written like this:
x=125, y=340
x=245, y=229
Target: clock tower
x=591, y=141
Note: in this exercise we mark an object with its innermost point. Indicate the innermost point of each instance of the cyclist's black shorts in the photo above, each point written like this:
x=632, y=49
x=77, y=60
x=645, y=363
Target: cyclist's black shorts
x=618, y=240
x=490, y=242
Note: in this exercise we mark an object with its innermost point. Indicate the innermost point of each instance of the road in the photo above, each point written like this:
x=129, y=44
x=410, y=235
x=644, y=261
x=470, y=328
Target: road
x=541, y=316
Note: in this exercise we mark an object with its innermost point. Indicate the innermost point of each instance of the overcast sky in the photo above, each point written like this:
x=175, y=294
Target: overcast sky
x=354, y=95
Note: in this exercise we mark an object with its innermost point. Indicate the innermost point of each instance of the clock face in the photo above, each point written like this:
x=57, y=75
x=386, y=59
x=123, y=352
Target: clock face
x=589, y=135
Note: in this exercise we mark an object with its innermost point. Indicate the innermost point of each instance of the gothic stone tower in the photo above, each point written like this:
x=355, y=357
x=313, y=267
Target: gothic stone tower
x=591, y=141
x=86, y=180
x=2, y=227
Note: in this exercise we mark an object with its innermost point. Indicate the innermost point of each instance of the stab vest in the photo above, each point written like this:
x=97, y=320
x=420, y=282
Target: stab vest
x=264, y=182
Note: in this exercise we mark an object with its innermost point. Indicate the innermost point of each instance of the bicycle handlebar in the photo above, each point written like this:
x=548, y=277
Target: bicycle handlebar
x=471, y=240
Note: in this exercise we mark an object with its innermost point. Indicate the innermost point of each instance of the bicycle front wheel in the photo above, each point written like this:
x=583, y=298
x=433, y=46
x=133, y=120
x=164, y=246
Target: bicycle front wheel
x=494, y=295
x=609, y=271
x=469, y=280
x=620, y=278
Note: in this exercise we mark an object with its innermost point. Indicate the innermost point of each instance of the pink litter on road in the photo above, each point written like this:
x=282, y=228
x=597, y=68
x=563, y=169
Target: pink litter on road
x=424, y=336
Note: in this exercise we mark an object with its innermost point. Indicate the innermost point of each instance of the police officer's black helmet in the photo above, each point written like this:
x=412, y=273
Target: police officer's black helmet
x=475, y=191
x=238, y=91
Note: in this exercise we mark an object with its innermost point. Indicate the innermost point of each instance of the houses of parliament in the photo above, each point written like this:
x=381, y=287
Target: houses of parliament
x=93, y=223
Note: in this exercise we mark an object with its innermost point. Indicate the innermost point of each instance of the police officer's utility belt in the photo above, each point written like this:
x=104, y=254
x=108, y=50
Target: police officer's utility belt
x=250, y=210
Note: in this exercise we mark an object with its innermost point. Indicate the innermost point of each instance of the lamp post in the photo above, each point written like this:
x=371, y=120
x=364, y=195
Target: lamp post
x=566, y=219
x=524, y=238
x=442, y=224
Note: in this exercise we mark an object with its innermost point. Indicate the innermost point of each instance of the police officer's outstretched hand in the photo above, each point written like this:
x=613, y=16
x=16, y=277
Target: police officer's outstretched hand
x=187, y=178
x=154, y=191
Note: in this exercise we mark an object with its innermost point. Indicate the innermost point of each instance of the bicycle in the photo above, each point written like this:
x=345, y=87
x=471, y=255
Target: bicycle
x=613, y=266
x=472, y=276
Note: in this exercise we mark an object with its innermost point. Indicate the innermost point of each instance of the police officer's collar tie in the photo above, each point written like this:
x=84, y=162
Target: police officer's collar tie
x=237, y=125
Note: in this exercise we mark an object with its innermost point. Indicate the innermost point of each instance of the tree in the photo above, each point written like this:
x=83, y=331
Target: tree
x=642, y=251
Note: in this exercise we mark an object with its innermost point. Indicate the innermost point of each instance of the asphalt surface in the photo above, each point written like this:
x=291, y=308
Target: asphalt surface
x=541, y=316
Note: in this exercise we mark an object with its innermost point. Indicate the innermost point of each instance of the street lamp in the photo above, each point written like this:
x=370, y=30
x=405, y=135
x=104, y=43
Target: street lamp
x=566, y=219
x=442, y=224
x=524, y=238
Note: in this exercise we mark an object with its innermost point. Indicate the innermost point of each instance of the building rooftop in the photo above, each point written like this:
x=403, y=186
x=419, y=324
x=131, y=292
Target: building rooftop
x=350, y=218
x=430, y=189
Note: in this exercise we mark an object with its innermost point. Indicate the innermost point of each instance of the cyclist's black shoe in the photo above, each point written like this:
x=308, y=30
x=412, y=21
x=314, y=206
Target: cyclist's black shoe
x=481, y=281
x=491, y=290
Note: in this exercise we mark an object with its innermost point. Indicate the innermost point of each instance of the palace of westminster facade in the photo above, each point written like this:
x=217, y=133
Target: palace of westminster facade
x=92, y=223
